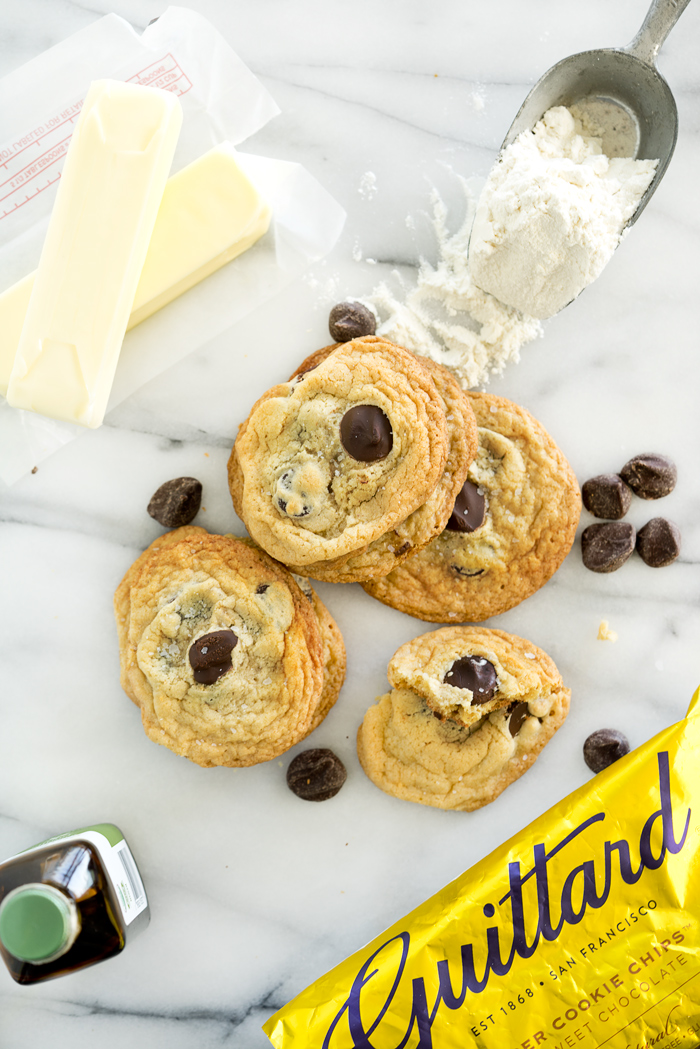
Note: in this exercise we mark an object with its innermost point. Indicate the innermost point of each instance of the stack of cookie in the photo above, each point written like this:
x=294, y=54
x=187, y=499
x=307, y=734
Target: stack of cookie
x=354, y=464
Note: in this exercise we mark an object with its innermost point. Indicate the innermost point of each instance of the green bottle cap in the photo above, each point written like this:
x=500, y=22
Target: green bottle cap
x=38, y=923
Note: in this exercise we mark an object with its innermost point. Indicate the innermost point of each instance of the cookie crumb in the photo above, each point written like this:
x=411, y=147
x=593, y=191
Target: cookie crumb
x=34, y=469
x=605, y=633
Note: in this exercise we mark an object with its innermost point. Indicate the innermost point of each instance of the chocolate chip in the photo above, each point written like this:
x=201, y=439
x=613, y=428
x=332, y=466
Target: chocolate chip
x=366, y=433
x=607, y=496
x=176, y=502
x=518, y=716
x=659, y=542
x=469, y=510
x=403, y=549
x=210, y=655
x=650, y=476
x=606, y=547
x=476, y=674
x=351, y=320
x=458, y=570
x=316, y=775
x=604, y=747
x=262, y=588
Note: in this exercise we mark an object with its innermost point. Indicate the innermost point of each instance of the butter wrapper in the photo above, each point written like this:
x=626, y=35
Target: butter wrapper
x=582, y=930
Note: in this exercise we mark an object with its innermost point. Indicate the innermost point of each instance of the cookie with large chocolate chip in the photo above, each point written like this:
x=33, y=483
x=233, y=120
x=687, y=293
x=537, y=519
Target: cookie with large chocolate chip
x=428, y=521
x=468, y=714
x=231, y=659
x=324, y=466
x=512, y=526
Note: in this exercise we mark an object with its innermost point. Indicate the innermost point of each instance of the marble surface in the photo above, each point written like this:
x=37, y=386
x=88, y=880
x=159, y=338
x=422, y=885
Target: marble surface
x=255, y=893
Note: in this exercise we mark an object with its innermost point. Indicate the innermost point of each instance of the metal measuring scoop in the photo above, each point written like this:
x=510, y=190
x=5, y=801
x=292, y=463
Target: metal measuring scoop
x=623, y=93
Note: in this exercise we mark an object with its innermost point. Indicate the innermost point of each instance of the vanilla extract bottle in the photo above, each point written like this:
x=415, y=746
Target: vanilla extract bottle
x=69, y=902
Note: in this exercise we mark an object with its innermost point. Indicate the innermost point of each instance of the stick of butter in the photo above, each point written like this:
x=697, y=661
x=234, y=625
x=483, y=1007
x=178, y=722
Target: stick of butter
x=210, y=213
x=112, y=185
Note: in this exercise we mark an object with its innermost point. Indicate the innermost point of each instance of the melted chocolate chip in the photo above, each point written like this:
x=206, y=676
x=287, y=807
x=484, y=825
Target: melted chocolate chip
x=316, y=775
x=659, y=542
x=176, y=502
x=351, y=320
x=469, y=510
x=650, y=476
x=210, y=655
x=607, y=496
x=518, y=716
x=465, y=572
x=366, y=433
x=604, y=747
x=476, y=674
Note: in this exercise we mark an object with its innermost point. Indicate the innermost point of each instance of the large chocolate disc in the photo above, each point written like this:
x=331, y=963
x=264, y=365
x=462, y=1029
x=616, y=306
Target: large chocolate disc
x=476, y=674
x=210, y=655
x=366, y=433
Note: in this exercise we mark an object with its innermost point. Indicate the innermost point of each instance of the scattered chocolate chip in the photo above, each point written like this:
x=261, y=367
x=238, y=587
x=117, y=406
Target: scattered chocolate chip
x=469, y=510
x=351, y=320
x=210, y=655
x=607, y=496
x=34, y=469
x=262, y=588
x=650, y=476
x=604, y=747
x=176, y=502
x=518, y=716
x=659, y=542
x=316, y=775
x=366, y=433
x=606, y=547
x=476, y=674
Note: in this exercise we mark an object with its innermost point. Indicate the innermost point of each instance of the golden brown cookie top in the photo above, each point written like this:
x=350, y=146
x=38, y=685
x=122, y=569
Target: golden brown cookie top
x=335, y=459
x=514, y=540
x=411, y=754
x=428, y=521
x=221, y=648
x=469, y=712
x=464, y=673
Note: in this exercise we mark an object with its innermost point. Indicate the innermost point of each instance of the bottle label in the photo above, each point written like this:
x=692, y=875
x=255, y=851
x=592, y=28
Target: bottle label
x=130, y=889
x=118, y=863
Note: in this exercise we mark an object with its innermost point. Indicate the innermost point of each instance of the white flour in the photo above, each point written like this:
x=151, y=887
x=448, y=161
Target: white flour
x=446, y=317
x=552, y=213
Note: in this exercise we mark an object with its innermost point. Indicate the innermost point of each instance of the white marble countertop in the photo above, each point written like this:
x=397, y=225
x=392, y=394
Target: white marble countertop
x=255, y=893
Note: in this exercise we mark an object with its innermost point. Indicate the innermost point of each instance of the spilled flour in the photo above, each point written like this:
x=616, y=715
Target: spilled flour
x=446, y=317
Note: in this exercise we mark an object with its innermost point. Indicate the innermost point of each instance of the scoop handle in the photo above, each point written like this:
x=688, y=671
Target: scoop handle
x=660, y=20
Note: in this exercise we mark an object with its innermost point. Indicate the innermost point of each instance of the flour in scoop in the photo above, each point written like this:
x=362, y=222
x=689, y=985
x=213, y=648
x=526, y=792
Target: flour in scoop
x=552, y=212
x=446, y=317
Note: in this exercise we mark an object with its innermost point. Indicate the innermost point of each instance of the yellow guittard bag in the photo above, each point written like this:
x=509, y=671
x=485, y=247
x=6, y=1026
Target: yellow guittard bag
x=581, y=931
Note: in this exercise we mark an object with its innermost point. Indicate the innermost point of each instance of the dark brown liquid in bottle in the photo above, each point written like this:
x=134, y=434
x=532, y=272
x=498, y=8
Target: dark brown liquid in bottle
x=76, y=869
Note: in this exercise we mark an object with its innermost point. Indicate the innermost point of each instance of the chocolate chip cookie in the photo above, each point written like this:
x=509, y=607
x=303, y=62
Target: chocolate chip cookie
x=513, y=524
x=428, y=521
x=468, y=714
x=324, y=466
x=230, y=658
